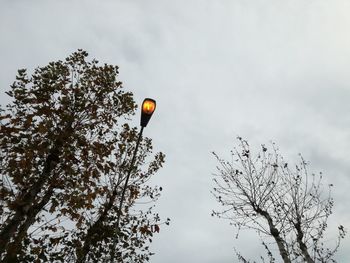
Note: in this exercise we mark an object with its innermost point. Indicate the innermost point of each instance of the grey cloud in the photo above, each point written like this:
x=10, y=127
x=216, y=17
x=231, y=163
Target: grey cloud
x=266, y=71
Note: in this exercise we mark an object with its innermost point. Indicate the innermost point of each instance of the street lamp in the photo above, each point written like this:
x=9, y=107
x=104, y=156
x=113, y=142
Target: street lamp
x=147, y=109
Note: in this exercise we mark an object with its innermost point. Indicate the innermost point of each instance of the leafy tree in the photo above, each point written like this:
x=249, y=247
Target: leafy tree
x=289, y=205
x=65, y=150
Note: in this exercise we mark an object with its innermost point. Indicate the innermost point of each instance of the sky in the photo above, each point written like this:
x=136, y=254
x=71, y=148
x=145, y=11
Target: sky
x=265, y=70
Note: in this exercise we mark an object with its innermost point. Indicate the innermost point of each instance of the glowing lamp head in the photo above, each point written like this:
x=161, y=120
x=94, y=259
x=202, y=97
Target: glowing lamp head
x=147, y=109
x=148, y=106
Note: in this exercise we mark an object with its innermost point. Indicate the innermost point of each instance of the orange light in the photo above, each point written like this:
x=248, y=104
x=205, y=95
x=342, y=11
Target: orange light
x=148, y=106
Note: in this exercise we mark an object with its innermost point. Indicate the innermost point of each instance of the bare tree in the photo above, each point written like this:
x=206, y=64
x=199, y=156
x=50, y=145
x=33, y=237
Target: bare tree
x=289, y=205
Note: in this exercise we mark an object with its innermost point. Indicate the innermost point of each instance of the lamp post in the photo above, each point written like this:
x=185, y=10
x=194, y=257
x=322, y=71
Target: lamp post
x=147, y=109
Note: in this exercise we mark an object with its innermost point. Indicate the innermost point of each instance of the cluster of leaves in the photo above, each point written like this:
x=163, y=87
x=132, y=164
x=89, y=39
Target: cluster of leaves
x=65, y=152
x=287, y=204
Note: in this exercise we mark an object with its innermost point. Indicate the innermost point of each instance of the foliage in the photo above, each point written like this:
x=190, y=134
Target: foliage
x=286, y=204
x=65, y=150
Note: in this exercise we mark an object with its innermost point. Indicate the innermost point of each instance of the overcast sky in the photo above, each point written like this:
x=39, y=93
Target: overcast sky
x=262, y=69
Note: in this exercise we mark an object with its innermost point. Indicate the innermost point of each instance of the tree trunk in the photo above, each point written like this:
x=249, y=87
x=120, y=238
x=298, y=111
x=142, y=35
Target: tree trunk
x=94, y=230
x=24, y=203
x=15, y=247
x=276, y=235
x=301, y=243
